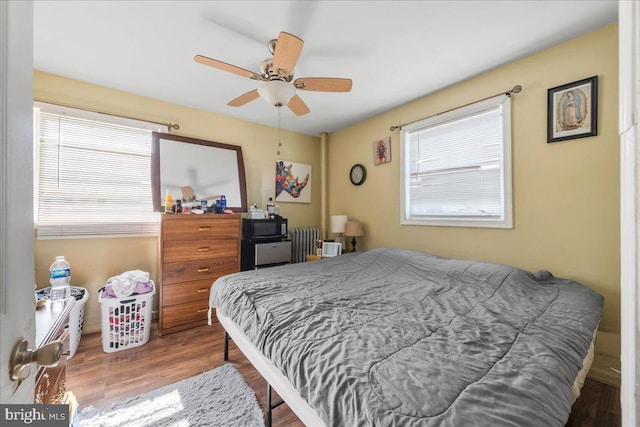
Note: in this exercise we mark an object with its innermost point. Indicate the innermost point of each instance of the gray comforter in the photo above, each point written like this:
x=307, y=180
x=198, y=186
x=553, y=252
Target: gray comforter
x=392, y=337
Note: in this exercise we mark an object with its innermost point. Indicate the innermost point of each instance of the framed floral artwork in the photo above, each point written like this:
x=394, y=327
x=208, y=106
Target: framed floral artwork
x=572, y=110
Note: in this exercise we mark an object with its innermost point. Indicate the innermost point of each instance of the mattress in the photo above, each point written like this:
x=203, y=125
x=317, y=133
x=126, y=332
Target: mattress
x=396, y=337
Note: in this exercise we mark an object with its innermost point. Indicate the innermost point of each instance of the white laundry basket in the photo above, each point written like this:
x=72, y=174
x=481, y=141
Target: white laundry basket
x=125, y=322
x=76, y=321
x=76, y=316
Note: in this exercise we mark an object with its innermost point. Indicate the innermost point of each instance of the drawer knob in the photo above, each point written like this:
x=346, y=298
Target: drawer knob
x=204, y=228
x=204, y=249
x=202, y=310
x=202, y=290
x=204, y=270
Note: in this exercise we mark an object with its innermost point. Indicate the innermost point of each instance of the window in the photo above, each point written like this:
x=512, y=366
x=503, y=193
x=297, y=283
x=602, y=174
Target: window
x=456, y=167
x=93, y=174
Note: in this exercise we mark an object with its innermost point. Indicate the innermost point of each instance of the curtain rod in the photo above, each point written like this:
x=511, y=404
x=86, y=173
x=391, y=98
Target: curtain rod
x=515, y=89
x=169, y=125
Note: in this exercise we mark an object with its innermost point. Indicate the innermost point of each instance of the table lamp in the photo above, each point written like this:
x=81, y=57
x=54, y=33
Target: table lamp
x=353, y=228
x=338, y=223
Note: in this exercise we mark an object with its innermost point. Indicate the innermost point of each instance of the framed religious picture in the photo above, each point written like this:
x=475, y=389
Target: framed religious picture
x=572, y=110
x=382, y=151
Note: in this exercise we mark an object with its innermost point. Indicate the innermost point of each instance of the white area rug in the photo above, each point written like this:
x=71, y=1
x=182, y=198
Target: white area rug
x=219, y=397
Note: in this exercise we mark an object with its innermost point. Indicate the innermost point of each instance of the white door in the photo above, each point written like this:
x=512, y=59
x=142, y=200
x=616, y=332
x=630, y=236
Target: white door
x=16, y=189
x=629, y=28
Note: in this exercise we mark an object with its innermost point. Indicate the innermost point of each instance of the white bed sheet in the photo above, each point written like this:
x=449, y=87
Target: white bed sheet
x=271, y=374
x=586, y=365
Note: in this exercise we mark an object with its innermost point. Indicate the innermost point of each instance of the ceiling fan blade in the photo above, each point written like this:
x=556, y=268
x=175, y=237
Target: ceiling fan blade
x=243, y=99
x=288, y=50
x=323, y=84
x=226, y=67
x=298, y=106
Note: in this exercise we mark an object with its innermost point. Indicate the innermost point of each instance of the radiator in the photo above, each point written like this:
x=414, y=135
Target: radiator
x=303, y=242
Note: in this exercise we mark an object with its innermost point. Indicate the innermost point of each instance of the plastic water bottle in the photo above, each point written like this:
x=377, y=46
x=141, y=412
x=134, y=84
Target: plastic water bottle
x=60, y=277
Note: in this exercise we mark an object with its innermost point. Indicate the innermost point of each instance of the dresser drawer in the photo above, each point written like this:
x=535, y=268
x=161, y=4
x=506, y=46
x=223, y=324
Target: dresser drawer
x=210, y=269
x=182, y=228
x=197, y=290
x=182, y=314
x=50, y=387
x=183, y=250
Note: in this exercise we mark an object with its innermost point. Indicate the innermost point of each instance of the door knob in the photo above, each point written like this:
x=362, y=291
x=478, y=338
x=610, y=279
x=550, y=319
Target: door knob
x=22, y=357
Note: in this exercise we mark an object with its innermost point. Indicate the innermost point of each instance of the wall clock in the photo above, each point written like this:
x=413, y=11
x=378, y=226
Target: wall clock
x=358, y=174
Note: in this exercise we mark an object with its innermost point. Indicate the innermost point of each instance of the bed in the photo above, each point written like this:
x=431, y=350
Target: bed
x=398, y=337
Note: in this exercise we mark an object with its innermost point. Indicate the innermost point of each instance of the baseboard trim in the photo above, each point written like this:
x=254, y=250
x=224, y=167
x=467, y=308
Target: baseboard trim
x=607, y=358
x=602, y=373
x=605, y=376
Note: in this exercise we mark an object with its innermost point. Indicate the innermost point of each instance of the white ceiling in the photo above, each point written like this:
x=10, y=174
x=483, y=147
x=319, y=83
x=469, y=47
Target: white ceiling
x=395, y=51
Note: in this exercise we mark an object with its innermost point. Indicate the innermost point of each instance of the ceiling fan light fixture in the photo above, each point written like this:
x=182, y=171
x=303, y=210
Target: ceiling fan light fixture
x=276, y=92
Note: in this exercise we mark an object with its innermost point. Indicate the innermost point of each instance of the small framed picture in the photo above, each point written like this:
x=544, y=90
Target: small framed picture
x=572, y=110
x=330, y=249
x=382, y=151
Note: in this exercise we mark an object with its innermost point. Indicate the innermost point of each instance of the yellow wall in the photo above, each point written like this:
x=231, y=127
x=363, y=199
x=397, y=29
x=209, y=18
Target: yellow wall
x=566, y=194
x=93, y=261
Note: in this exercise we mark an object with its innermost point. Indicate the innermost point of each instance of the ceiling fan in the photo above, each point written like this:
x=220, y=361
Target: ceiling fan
x=276, y=75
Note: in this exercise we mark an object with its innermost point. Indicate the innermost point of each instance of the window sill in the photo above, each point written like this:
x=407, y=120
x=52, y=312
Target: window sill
x=475, y=223
x=96, y=231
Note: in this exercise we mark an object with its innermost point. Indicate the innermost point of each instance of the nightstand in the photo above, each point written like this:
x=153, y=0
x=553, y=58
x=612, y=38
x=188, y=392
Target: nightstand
x=312, y=257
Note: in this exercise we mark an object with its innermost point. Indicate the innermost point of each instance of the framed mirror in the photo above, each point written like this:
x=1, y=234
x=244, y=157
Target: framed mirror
x=210, y=168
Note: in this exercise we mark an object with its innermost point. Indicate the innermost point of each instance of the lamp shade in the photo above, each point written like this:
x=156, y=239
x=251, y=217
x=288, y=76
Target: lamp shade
x=338, y=223
x=276, y=92
x=353, y=228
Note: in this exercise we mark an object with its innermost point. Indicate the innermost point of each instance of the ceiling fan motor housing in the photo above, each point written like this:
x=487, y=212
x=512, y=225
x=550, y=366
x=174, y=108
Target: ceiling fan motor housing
x=267, y=71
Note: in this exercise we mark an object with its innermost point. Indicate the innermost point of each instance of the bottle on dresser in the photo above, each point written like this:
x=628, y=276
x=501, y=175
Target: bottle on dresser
x=60, y=277
x=168, y=203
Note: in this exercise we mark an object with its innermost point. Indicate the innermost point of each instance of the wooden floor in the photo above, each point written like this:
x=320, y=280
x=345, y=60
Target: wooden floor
x=98, y=378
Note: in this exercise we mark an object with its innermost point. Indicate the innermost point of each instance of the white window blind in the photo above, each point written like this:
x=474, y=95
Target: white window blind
x=93, y=177
x=456, y=167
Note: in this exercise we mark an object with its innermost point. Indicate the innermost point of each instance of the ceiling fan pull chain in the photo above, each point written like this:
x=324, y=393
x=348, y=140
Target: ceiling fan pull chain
x=279, y=140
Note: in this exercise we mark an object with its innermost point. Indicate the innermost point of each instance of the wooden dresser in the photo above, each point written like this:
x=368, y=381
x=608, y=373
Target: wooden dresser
x=195, y=250
x=52, y=323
